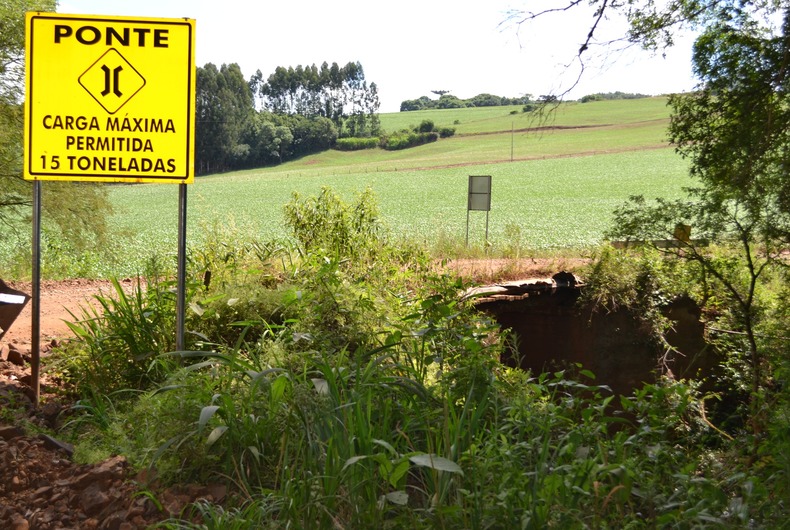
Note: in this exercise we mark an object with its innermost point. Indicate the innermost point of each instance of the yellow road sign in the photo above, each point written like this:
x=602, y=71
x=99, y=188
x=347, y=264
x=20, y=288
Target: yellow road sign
x=109, y=99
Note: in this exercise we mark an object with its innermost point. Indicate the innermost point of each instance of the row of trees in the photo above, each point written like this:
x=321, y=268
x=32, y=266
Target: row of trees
x=339, y=93
x=294, y=112
x=605, y=96
x=448, y=101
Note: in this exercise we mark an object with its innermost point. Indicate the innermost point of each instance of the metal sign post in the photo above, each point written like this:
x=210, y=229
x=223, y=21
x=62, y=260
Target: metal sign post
x=182, y=266
x=479, y=198
x=108, y=99
x=35, y=317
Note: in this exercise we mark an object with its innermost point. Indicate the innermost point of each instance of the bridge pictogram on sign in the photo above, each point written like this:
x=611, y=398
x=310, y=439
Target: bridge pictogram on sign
x=112, y=81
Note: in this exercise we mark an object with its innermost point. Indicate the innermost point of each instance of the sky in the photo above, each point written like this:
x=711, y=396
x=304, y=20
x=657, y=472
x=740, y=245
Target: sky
x=410, y=48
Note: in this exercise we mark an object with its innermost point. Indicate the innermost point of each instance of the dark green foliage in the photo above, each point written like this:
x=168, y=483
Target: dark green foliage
x=310, y=135
x=604, y=96
x=223, y=108
x=239, y=312
x=268, y=143
x=356, y=144
x=424, y=102
x=12, y=48
x=406, y=140
x=425, y=126
x=487, y=100
x=304, y=111
x=340, y=94
x=449, y=101
x=734, y=130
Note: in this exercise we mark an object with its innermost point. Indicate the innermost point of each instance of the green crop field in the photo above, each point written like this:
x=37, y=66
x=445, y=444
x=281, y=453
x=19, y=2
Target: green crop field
x=555, y=182
x=553, y=203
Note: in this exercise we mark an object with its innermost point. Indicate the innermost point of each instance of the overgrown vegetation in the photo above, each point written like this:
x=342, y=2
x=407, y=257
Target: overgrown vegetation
x=734, y=132
x=334, y=380
x=339, y=382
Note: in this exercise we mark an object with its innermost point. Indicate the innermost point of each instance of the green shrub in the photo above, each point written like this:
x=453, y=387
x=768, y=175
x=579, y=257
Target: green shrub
x=326, y=225
x=407, y=140
x=239, y=311
x=425, y=126
x=367, y=393
x=356, y=144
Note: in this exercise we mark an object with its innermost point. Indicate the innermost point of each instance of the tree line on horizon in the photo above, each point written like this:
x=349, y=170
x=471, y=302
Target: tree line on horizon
x=449, y=101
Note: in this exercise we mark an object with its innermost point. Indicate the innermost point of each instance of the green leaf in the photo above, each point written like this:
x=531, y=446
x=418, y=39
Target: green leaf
x=353, y=460
x=206, y=414
x=198, y=366
x=436, y=462
x=167, y=388
x=385, y=445
x=401, y=498
x=279, y=386
x=216, y=434
x=401, y=468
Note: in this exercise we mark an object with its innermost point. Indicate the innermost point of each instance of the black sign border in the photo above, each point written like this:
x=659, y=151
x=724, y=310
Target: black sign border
x=115, y=176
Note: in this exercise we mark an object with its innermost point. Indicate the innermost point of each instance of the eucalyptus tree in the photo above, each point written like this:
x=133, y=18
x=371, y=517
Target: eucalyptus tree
x=224, y=108
x=339, y=93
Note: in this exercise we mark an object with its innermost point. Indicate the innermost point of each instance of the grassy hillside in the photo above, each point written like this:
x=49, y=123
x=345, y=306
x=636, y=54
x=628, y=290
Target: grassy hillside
x=555, y=184
x=497, y=119
x=494, y=135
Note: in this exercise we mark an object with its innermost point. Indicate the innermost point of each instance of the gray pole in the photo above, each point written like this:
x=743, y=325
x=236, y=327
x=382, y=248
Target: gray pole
x=35, y=318
x=467, y=227
x=486, y=231
x=182, y=261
